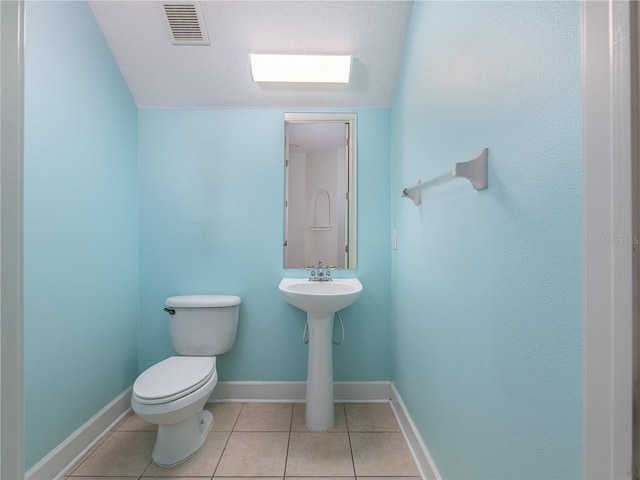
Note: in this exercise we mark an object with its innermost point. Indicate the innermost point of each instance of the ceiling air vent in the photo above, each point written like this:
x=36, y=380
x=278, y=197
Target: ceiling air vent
x=186, y=23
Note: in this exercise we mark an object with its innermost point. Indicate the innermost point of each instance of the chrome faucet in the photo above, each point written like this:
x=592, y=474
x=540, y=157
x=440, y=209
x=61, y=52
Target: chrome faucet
x=319, y=273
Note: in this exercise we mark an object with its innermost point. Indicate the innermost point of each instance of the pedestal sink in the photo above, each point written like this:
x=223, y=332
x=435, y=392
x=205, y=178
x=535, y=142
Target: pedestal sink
x=320, y=300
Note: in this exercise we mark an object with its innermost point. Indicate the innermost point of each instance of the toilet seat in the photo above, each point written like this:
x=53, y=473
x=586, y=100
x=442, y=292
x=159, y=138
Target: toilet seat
x=173, y=378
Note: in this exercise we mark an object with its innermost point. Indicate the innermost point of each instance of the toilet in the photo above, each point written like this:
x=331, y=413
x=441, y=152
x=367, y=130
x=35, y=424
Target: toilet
x=172, y=393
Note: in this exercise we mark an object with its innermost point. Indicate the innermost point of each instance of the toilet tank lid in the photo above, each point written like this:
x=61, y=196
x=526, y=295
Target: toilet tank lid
x=202, y=301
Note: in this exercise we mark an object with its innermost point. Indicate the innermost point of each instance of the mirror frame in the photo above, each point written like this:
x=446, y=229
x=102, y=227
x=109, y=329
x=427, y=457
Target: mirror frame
x=351, y=119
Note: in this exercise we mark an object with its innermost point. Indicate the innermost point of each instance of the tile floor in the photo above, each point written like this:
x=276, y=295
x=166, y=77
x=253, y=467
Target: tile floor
x=265, y=440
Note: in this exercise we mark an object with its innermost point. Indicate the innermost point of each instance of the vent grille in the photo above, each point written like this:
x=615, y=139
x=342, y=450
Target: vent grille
x=186, y=23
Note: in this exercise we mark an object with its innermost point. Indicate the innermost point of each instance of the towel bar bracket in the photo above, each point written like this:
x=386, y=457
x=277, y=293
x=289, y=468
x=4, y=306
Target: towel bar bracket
x=475, y=170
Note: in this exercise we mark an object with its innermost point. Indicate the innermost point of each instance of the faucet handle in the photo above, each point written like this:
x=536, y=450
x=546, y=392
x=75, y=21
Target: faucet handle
x=308, y=267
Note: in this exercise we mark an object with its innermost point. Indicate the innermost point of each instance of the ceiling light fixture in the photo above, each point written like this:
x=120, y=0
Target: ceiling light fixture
x=301, y=68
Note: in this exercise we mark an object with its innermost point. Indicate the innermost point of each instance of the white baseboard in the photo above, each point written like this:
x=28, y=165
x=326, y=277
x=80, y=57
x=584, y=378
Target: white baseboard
x=55, y=464
x=281, y=392
x=421, y=455
x=294, y=392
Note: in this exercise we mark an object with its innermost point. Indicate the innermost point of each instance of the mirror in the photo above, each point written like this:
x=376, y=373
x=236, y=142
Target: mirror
x=320, y=190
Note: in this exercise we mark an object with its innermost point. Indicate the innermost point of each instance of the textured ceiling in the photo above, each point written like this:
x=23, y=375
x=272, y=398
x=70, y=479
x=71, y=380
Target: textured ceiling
x=162, y=75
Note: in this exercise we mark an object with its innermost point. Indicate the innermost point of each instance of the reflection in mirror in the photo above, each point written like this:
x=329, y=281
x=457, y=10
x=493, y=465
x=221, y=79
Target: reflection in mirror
x=319, y=192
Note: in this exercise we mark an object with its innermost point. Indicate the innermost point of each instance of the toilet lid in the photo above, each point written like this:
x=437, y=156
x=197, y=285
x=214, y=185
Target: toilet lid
x=173, y=378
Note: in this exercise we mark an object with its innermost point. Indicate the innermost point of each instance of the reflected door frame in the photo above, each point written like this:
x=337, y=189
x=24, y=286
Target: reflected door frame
x=351, y=161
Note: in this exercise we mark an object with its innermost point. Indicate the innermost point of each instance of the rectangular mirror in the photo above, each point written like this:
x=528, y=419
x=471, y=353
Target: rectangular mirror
x=320, y=190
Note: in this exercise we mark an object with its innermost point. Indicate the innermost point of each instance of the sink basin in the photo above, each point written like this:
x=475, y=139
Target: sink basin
x=320, y=299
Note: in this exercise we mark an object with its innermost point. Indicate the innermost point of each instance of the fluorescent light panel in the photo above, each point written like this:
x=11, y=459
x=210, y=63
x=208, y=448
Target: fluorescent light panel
x=301, y=68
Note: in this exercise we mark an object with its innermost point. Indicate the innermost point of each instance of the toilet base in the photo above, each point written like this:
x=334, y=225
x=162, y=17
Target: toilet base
x=177, y=442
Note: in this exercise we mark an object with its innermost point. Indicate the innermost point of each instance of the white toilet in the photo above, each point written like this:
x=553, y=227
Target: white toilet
x=172, y=394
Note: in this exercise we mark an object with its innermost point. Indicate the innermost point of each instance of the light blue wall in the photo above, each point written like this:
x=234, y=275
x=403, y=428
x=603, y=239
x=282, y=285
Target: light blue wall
x=211, y=189
x=487, y=285
x=80, y=225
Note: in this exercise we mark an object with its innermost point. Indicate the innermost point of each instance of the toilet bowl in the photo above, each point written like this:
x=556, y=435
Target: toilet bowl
x=172, y=393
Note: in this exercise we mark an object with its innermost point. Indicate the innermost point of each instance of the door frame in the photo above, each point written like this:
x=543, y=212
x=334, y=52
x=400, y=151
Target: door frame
x=11, y=239
x=607, y=239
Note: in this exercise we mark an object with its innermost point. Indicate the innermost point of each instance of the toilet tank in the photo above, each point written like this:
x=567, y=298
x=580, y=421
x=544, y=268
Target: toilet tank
x=203, y=325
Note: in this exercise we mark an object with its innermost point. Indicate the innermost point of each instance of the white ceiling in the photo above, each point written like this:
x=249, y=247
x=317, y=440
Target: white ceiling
x=162, y=75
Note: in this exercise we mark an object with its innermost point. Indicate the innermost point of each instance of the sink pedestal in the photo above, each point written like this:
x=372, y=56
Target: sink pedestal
x=319, y=410
x=320, y=300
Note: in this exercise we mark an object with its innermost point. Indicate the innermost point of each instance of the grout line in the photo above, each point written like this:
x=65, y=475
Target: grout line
x=286, y=456
x=221, y=453
x=227, y=442
x=233, y=427
x=346, y=422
